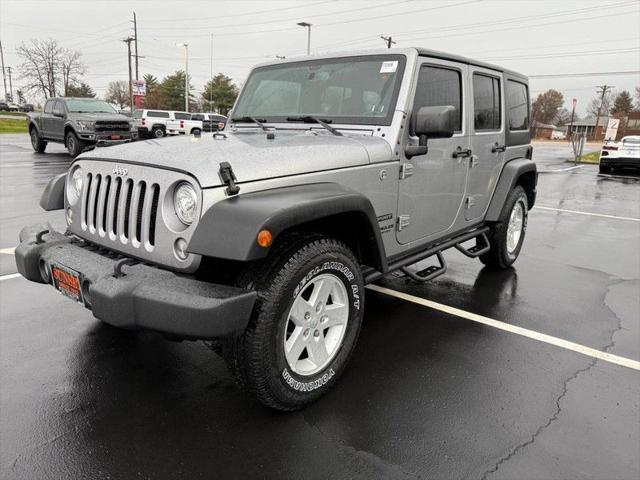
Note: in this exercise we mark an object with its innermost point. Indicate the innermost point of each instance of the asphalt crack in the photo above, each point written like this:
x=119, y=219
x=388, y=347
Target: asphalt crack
x=515, y=450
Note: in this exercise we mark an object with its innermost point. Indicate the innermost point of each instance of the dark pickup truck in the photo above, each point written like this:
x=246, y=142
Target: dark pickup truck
x=79, y=123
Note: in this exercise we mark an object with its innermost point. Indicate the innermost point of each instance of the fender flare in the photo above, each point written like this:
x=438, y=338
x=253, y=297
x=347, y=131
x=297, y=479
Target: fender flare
x=511, y=173
x=230, y=227
x=53, y=195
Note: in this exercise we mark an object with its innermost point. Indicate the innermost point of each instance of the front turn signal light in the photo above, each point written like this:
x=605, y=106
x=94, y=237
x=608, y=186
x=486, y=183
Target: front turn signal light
x=265, y=239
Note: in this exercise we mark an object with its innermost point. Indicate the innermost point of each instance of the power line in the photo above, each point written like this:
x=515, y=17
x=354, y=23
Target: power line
x=584, y=74
x=387, y=40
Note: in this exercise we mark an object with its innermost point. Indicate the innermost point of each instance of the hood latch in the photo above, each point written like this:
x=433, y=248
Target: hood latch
x=228, y=178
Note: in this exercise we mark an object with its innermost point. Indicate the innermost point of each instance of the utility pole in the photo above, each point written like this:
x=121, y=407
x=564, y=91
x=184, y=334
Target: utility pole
x=186, y=74
x=387, y=40
x=211, y=74
x=128, y=41
x=602, y=90
x=4, y=79
x=135, y=35
x=573, y=113
x=10, y=85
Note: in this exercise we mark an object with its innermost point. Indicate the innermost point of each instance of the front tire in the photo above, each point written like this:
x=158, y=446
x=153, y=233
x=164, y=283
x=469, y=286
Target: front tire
x=74, y=144
x=507, y=234
x=305, y=323
x=37, y=143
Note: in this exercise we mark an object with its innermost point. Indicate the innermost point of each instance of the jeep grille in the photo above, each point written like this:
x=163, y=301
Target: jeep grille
x=129, y=209
x=124, y=209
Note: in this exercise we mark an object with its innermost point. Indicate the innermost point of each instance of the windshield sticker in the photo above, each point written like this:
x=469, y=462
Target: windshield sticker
x=389, y=67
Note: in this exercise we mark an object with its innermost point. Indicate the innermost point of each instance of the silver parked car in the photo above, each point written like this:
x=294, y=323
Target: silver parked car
x=332, y=172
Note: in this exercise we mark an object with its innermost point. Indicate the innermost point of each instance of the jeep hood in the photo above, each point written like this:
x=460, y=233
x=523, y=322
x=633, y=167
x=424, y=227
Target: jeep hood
x=252, y=155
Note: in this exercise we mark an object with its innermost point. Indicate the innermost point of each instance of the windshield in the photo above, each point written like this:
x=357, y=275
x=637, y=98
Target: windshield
x=355, y=90
x=89, y=106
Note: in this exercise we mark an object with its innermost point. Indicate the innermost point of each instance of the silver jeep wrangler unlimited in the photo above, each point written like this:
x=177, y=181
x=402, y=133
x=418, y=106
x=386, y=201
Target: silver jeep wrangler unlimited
x=332, y=172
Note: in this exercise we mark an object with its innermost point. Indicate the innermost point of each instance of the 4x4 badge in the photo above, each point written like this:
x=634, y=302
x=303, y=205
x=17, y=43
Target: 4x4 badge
x=120, y=171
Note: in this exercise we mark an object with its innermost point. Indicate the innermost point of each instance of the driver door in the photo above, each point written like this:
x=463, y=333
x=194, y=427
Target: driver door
x=432, y=186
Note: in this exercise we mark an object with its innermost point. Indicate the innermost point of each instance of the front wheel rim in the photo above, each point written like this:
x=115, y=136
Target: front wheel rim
x=34, y=139
x=515, y=226
x=316, y=324
x=71, y=144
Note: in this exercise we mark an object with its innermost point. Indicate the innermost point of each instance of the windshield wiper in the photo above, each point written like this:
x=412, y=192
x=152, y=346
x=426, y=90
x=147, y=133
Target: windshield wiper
x=257, y=121
x=320, y=121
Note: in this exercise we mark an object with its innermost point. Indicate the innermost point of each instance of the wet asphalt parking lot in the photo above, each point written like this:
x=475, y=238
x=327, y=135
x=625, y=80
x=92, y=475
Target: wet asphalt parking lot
x=476, y=392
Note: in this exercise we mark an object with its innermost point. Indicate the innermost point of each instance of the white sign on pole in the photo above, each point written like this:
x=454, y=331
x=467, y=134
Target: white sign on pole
x=139, y=88
x=612, y=129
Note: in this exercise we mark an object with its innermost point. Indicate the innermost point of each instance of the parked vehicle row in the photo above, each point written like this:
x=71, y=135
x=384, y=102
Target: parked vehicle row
x=159, y=123
x=12, y=107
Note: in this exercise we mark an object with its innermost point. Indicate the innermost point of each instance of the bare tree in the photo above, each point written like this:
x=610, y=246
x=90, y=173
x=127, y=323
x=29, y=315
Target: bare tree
x=118, y=93
x=594, y=105
x=72, y=69
x=48, y=68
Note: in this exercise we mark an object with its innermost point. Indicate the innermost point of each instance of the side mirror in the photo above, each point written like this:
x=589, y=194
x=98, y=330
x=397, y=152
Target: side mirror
x=431, y=122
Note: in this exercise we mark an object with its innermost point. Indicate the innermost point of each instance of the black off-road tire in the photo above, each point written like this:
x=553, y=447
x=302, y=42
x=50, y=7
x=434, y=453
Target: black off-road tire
x=257, y=358
x=74, y=145
x=499, y=257
x=37, y=143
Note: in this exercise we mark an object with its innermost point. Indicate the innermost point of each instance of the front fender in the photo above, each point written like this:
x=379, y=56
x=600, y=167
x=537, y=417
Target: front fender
x=53, y=195
x=230, y=227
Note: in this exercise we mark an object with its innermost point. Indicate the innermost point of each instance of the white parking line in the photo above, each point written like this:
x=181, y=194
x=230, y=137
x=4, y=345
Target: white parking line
x=561, y=169
x=602, y=215
x=9, y=277
x=7, y=251
x=525, y=332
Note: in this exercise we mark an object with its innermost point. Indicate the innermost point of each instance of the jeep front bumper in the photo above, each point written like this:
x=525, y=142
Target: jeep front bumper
x=142, y=296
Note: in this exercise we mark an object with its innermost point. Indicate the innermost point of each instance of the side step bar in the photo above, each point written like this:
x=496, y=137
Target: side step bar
x=482, y=246
x=428, y=273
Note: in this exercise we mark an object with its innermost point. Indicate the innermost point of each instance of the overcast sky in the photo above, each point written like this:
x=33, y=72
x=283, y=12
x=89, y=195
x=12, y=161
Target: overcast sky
x=538, y=37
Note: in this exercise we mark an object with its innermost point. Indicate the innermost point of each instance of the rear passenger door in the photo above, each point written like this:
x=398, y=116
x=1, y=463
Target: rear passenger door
x=487, y=139
x=432, y=186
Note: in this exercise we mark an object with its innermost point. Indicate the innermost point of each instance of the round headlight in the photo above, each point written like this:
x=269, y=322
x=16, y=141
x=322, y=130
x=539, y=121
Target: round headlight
x=76, y=181
x=185, y=202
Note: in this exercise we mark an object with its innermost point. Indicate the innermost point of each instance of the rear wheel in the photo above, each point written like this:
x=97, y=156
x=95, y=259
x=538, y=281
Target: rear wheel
x=37, y=143
x=605, y=168
x=304, y=326
x=507, y=234
x=74, y=144
x=157, y=132
x=196, y=131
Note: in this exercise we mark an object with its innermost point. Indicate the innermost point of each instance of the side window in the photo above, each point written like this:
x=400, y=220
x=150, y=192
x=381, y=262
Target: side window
x=517, y=105
x=152, y=113
x=486, y=102
x=48, y=107
x=182, y=116
x=58, y=109
x=439, y=86
x=197, y=116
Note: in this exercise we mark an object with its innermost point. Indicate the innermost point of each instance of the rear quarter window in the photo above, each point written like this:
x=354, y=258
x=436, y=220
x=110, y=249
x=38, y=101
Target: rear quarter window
x=182, y=116
x=152, y=113
x=517, y=105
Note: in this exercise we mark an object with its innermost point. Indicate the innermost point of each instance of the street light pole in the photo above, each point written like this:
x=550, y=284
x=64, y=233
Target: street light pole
x=186, y=74
x=308, y=26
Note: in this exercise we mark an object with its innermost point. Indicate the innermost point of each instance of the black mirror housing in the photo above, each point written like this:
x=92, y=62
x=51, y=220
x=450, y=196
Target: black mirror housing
x=435, y=122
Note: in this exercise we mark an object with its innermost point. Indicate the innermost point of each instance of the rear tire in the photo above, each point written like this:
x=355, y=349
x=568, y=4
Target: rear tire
x=305, y=322
x=604, y=168
x=196, y=131
x=507, y=234
x=37, y=143
x=157, y=132
x=74, y=144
